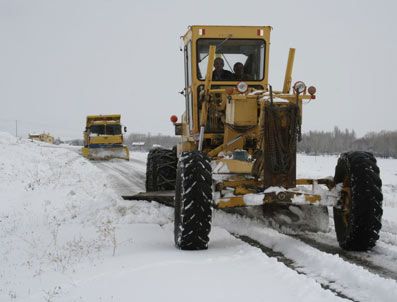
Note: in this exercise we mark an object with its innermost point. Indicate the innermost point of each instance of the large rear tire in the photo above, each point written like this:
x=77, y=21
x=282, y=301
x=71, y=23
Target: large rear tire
x=161, y=170
x=358, y=214
x=193, y=198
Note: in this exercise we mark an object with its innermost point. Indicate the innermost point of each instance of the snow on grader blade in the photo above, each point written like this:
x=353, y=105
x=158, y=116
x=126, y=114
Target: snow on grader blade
x=103, y=138
x=238, y=148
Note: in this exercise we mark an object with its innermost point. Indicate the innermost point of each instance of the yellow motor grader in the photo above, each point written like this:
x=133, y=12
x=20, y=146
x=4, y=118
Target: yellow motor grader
x=238, y=148
x=103, y=138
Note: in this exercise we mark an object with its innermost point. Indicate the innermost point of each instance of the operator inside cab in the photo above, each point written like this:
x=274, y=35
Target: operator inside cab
x=220, y=74
x=236, y=59
x=240, y=74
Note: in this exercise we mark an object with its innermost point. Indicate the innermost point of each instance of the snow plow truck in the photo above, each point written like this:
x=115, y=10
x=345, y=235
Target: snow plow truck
x=103, y=138
x=238, y=149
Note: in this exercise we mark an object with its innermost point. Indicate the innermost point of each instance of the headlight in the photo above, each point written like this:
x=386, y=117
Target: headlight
x=242, y=87
x=311, y=90
x=299, y=87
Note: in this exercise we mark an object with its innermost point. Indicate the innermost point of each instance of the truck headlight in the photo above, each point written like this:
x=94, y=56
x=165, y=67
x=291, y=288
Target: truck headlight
x=242, y=87
x=299, y=87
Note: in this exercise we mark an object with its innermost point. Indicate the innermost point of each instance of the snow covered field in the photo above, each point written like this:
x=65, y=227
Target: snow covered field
x=66, y=235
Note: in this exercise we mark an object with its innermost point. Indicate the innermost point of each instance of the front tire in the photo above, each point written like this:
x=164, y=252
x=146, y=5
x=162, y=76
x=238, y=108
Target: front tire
x=358, y=213
x=193, y=198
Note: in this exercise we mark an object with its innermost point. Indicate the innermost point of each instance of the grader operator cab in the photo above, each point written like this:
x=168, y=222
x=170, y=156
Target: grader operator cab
x=103, y=138
x=238, y=148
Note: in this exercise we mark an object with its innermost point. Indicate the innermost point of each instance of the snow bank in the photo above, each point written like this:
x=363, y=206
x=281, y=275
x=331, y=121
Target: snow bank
x=6, y=138
x=57, y=213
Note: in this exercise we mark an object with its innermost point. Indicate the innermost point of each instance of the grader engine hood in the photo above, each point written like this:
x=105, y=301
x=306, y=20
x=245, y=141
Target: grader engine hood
x=241, y=111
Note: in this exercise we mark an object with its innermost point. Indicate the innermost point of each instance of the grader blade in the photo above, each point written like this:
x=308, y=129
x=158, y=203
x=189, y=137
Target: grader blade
x=288, y=217
x=163, y=197
x=302, y=217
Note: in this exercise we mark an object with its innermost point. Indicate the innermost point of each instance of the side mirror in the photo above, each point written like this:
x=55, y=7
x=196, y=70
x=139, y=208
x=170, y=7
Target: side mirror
x=125, y=128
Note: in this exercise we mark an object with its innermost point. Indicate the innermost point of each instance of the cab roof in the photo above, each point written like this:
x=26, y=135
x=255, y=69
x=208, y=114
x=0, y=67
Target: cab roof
x=195, y=32
x=113, y=118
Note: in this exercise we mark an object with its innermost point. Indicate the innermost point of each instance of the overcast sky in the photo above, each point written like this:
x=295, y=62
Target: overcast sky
x=63, y=60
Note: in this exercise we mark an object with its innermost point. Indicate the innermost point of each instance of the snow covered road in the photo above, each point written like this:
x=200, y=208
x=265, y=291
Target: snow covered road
x=126, y=177
x=66, y=235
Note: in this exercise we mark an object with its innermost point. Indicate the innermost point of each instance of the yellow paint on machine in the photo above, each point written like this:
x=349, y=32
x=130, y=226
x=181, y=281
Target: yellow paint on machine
x=233, y=166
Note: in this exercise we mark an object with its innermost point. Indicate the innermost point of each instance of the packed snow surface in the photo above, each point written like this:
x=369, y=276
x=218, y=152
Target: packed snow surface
x=66, y=235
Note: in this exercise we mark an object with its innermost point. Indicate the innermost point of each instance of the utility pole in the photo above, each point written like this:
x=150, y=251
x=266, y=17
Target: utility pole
x=16, y=128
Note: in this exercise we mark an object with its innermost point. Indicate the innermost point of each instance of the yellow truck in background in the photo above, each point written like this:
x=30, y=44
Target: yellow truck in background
x=103, y=138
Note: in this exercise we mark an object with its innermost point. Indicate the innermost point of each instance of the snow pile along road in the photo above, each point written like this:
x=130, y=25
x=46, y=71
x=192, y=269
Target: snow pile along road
x=57, y=213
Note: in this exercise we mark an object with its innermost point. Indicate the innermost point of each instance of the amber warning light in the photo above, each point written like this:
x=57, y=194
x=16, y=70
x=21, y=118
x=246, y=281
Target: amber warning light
x=173, y=119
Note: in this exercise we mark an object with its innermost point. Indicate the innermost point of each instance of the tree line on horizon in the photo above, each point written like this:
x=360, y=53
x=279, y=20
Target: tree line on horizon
x=382, y=144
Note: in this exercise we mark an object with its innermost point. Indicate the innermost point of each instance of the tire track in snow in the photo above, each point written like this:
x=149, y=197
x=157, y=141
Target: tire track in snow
x=137, y=176
x=352, y=257
x=126, y=178
x=138, y=161
x=388, y=238
x=287, y=262
x=382, y=259
x=388, y=233
x=331, y=270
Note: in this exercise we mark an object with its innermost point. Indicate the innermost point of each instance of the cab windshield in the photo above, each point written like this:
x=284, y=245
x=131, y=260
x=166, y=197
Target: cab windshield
x=105, y=129
x=235, y=59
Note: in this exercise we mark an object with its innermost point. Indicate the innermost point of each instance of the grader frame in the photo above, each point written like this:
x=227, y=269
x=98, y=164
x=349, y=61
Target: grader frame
x=244, y=113
x=239, y=143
